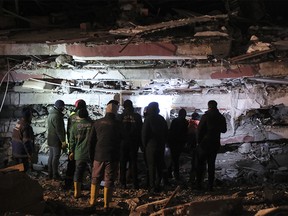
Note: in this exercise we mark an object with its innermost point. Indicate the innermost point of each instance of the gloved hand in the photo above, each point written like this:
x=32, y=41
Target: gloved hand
x=71, y=156
x=64, y=145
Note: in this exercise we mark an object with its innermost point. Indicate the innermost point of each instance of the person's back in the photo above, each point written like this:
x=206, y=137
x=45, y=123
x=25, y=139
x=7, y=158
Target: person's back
x=106, y=132
x=154, y=137
x=23, y=139
x=79, y=148
x=79, y=138
x=211, y=125
x=56, y=138
x=56, y=129
x=192, y=143
x=193, y=130
x=131, y=123
x=178, y=129
x=79, y=104
x=104, y=146
x=131, y=126
x=155, y=129
x=177, y=140
x=73, y=118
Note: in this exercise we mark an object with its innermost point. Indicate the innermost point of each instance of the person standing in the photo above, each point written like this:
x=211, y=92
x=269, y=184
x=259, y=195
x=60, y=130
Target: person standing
x=78, y=147
x=192, y=143
x=154, y=137
x=131, y=133
x=210, y=127
x=56, y=138
x=177, y=139
x=79, y=104
x=23, y=139
x=104, y=147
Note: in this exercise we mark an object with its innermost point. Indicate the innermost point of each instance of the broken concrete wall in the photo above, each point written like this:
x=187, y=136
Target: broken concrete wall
x=250, y=122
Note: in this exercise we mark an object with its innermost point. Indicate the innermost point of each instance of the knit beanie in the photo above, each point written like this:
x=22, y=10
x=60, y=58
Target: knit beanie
x=59, y=104
x=112, y=108
x=79, y=104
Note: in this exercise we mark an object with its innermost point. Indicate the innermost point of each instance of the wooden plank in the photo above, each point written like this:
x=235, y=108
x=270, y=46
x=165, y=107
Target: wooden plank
x=165, y=25
x=19, y=167
x=250, y=55
x=171, y=197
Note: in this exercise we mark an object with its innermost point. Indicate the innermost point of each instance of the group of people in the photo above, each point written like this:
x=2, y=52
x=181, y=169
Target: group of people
x=111, y=144
x=202, y=135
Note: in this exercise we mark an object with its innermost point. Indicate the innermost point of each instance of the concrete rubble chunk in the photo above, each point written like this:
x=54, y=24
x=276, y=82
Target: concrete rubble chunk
x=20, y=193
x=220, y=207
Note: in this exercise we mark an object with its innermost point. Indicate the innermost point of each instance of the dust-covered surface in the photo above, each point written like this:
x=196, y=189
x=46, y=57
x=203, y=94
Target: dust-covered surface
x=254, y=196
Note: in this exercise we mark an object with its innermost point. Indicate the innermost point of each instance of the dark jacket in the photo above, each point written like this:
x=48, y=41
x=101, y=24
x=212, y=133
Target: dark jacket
x=210, y=127
x=178, y=132
x=131, y=124
x=22, y=139
x=79, y=134
x=104, y=140
x=56, y=128
x=154, y=130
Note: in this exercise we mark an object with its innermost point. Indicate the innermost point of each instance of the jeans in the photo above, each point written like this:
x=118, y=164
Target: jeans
x=53, y=161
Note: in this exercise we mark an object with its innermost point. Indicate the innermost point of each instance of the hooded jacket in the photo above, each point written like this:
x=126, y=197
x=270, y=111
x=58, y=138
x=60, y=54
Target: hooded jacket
x=56, y=128
x=154, y=130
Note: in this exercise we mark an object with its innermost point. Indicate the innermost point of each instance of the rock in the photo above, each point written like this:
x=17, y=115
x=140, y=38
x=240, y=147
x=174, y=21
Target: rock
x=20, y=193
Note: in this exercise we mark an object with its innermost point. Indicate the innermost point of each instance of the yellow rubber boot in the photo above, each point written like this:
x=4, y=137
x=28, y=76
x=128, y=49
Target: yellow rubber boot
x=107, y=197
x=77, y=189
x=93, y=194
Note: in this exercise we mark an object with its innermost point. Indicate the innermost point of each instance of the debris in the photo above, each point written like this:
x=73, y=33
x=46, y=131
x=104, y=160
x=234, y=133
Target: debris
x=282, y=210
x=222, y=207
x=149, y=208
x=20, y=193
x=18, y=167
x=250, y=55
x=171, y=197
x=166, y=25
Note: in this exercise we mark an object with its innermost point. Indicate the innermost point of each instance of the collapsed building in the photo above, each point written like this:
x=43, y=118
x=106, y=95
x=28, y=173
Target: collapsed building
x=180, y=54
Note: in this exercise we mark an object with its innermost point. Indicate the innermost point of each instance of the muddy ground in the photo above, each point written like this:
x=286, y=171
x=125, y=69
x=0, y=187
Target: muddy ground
x=257, y=196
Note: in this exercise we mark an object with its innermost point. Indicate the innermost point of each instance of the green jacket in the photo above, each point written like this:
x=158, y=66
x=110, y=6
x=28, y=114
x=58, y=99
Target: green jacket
x=79, y=134
x=56, y=128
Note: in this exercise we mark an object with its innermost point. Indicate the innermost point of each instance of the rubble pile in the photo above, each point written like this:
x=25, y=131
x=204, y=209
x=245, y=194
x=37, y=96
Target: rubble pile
x=230, y=197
